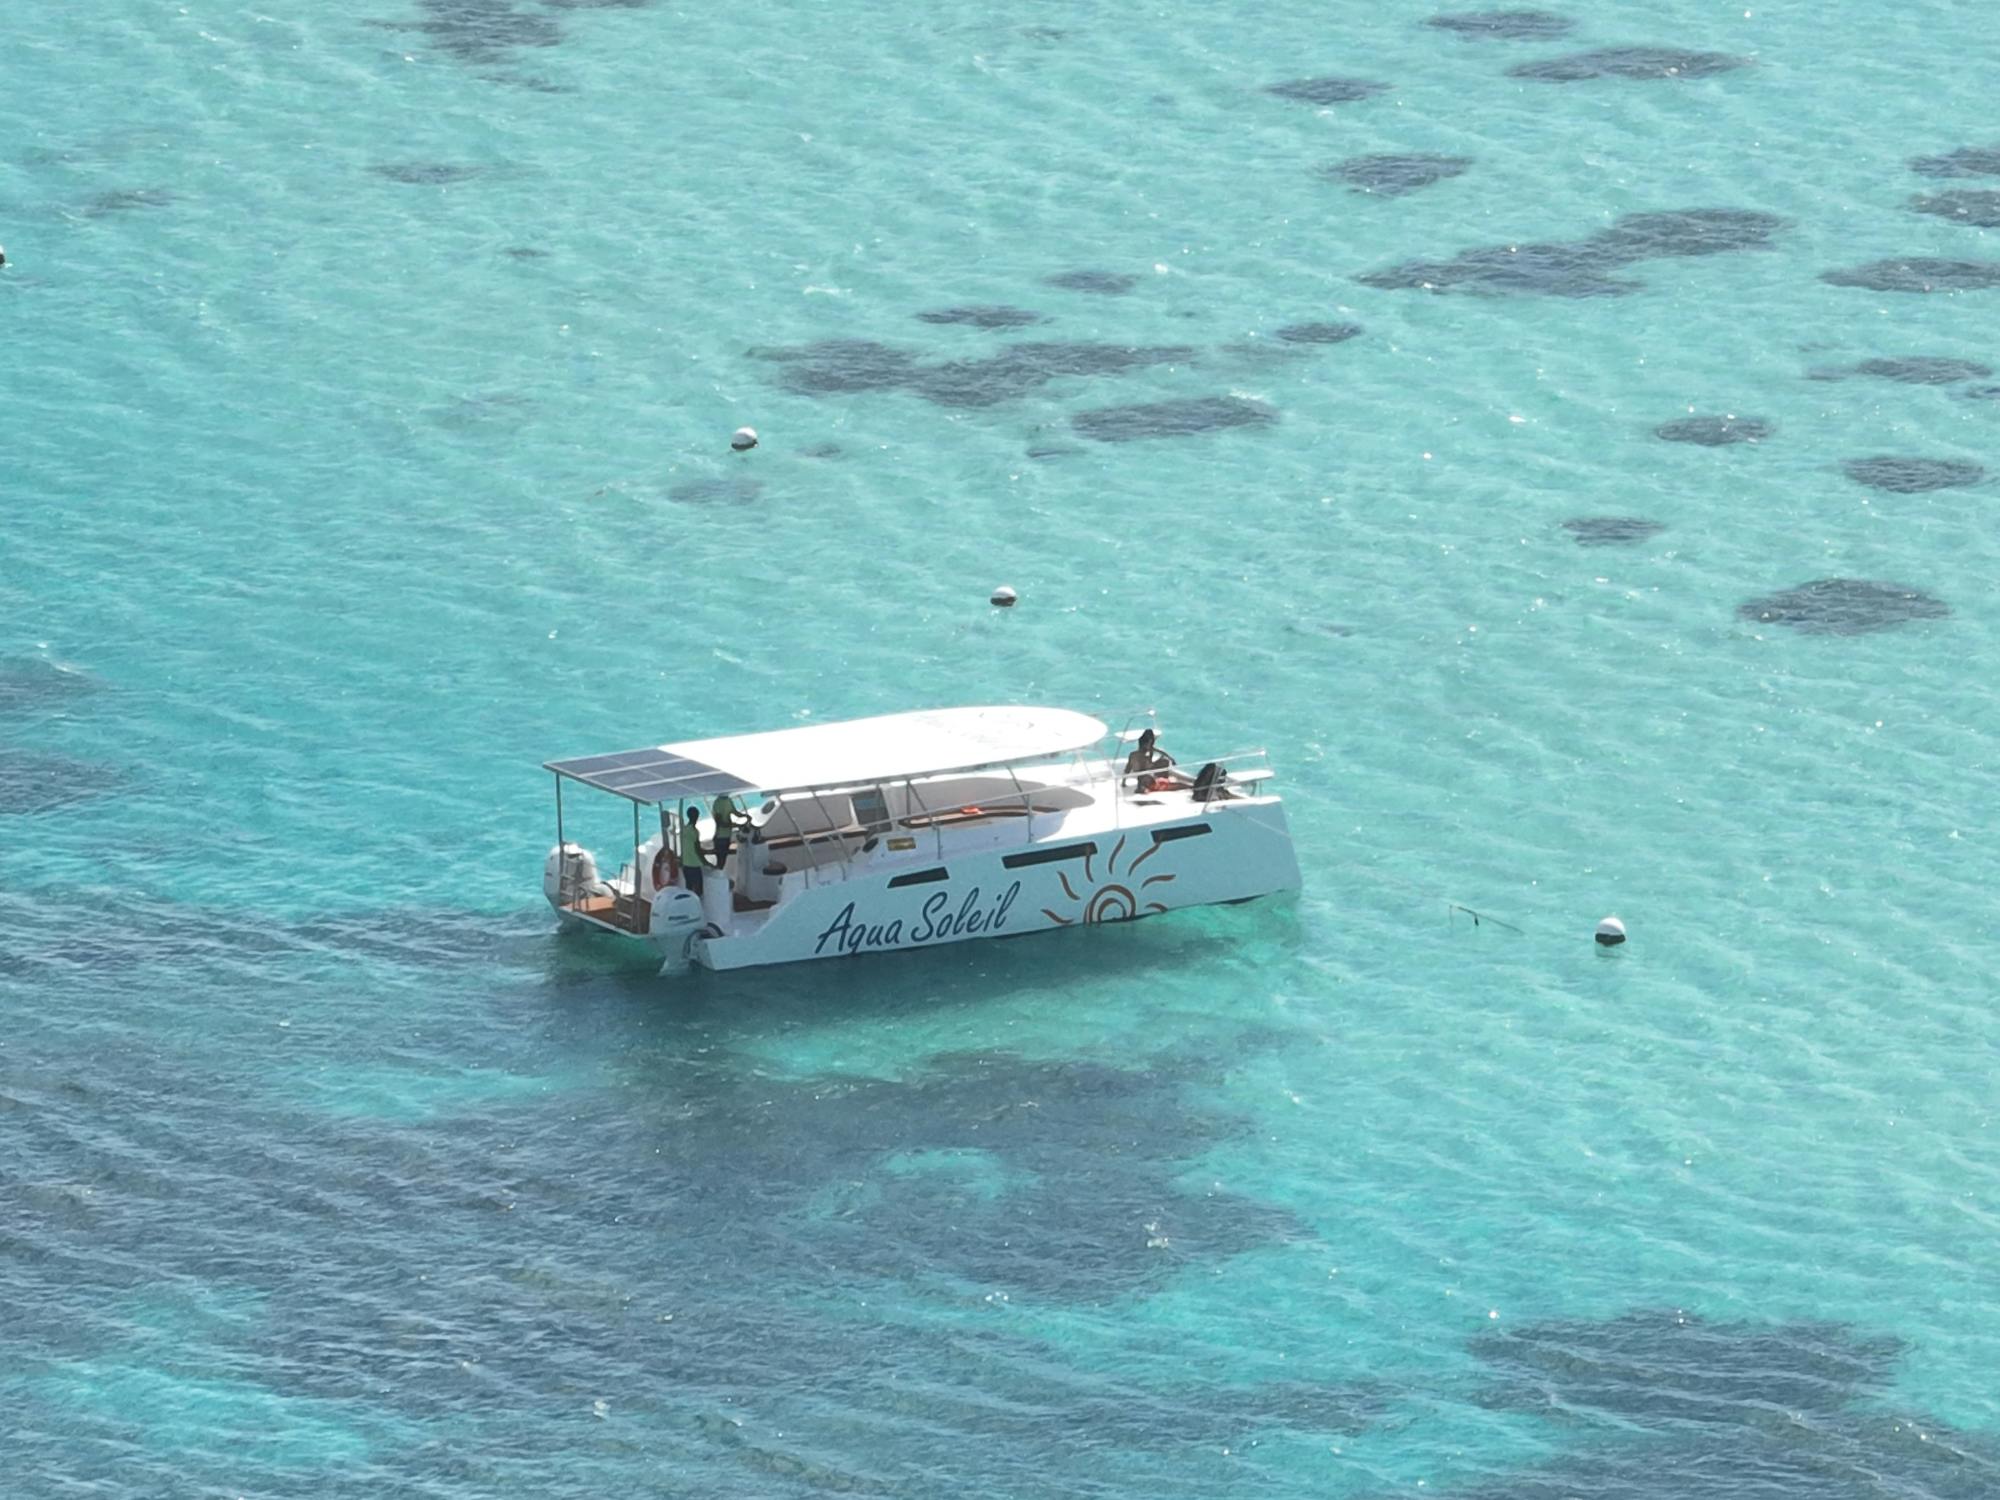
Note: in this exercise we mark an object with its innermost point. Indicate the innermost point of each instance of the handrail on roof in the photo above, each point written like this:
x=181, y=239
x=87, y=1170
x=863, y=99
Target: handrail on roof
x=688, y=793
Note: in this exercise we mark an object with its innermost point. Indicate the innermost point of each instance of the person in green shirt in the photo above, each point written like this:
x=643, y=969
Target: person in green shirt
x=692, y=864
x=728, y=818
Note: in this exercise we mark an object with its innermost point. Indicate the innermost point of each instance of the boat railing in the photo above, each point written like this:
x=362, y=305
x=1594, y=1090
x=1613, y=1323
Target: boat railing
x=1240, y=765
x=827, y=851
x=609, y=903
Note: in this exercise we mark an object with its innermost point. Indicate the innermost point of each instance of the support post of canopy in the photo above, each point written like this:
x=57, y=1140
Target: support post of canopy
x=783, y=809
x=937, y=829
x=562, y=857
x=839, y=842
x=637, y=877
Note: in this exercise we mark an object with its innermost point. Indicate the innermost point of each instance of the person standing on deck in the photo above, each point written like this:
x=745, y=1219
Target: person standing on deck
x=692, y=863
x=727, y=820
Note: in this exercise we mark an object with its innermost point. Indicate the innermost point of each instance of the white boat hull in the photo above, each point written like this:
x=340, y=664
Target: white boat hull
x=1189, y=855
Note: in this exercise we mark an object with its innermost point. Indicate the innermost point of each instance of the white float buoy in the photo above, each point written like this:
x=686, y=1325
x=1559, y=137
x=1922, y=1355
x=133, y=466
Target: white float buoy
x=1004, y=597
x=743, y=439
x=1610, y=933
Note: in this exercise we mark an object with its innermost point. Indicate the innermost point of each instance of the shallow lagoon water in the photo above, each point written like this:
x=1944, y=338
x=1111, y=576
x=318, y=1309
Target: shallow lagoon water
x=372, y=375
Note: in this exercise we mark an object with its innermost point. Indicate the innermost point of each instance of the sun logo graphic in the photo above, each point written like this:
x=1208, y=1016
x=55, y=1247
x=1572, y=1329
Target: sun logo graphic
x=1118, y=896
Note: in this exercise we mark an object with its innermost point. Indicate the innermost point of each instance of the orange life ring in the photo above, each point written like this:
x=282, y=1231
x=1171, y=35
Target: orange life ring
x=664, y=855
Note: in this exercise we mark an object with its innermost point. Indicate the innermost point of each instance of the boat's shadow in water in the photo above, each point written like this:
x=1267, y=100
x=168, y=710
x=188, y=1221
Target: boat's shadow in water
x=884, y=986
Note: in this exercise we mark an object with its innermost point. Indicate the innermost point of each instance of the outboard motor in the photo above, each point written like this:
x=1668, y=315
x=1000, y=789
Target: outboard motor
x=570, y=870
x=676, y=921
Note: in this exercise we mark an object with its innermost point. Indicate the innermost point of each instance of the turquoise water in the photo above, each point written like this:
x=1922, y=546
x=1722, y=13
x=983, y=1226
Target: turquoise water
x=371, y=371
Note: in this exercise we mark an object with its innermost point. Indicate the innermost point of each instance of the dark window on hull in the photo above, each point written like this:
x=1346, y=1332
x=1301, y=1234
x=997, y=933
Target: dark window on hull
x=1049, y=856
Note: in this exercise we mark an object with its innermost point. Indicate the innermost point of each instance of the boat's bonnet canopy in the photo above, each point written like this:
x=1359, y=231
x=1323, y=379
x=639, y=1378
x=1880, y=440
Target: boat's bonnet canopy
x=889, y=747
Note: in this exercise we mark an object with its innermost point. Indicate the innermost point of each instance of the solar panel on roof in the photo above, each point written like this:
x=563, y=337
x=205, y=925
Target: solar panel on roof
x=649, y=775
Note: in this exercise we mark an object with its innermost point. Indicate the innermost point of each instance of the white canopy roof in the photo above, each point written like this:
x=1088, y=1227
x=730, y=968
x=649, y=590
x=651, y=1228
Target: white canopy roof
x=888, y=747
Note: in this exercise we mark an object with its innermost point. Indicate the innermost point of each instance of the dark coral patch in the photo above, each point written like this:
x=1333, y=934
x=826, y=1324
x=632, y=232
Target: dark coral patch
x=834, y=367
x=968, y=1176
x=1169, y=419
x=1583, y=268
x=1981, y=208
x=1611, y=531
x=1045, y=1124
x=1967, y=161
x=126, y=200
x=1393, y=176
x=425, y=173
x=1007, y=1398
x=1682, y=232
x=1628, y=62
x=32, y=782
x=1017, y=369
x=847, y=366
x=1714, y=432
x=1666, y=1369
x=1325, y=91
x=1102, y=283
x=481, y=33
x=1919, y=274
x=1844, y=606
x=933, y=1174
x=1912, y=476
x=30, y=684
x=1666, y=1406
x=489, y=33
x=731, y=490
x=1505, y=25
x=482, y=412
x=1317, y=333
x=1548, y=270
x=981, y=317
x=1091, y=1229
x=1915, y=369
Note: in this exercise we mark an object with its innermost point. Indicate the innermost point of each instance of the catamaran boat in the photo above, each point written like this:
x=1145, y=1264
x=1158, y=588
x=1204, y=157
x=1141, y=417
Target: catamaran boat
x=912, y=829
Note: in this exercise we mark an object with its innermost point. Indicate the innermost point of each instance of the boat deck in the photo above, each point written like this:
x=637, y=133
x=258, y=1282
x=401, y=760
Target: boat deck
x=620, y=913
